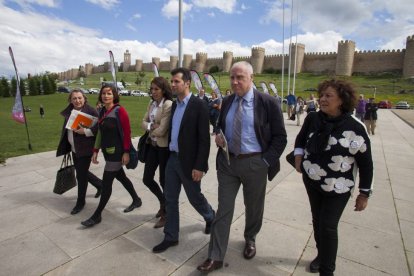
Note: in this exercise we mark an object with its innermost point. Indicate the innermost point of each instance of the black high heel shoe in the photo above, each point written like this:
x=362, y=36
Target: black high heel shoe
x=134, y=204
x=91, y=222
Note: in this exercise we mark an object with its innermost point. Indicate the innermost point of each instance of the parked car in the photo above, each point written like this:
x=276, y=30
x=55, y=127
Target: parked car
x=402, y=105
x=384, y=104
x=84, y=90
x=93, y=90
x=124, y=92
x=138, y=93
x=63, y=89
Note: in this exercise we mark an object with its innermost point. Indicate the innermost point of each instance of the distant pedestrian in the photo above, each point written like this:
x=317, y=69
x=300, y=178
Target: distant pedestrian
x=42, y=111
x=300, y=104
x=311, y=104
x=360, y=108
x=291, y=103
x=371, y=116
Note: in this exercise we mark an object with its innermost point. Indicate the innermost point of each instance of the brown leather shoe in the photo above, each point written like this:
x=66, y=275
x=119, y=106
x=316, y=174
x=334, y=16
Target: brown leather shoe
x=249, y=250
x=160, y=223
x=210, y=265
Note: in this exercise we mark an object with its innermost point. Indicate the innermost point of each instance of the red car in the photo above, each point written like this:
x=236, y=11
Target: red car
x=384, y=104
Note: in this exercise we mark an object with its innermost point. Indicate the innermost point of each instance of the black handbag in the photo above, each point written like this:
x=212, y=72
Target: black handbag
x=291, y=158
x=143, y=147
x=133, y=158
x=65, y=177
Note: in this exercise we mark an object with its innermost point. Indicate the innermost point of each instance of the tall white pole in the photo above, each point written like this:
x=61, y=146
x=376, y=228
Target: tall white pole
x=283, y=48
x=296, y=47
x=180, y=33
x=290, y=46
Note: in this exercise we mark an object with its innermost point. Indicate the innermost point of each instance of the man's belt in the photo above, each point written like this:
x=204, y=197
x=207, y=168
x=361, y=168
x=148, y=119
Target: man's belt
x=244, y=155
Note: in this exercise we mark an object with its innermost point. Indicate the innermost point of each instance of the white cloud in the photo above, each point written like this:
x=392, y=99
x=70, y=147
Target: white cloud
x=106, y=4
x=227, y=6
x=136, y=16
x=211, y=14
x=170, y=9
x=46, y=3
x=131, y=27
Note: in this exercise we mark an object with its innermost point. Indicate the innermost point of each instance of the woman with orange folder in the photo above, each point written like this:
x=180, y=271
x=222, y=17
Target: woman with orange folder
x=80, y=142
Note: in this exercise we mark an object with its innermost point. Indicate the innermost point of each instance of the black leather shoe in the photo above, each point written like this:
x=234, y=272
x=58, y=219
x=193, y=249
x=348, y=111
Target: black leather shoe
x=76, y=209
x=314, y=265
x=91, y=222
x=249, y=250
x=98, y=192
x=164, y=245
x=207, y=230
x=209, y=265
x=135, y=204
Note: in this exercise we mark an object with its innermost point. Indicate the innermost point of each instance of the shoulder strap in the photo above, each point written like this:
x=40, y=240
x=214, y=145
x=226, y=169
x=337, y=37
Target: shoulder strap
x=118, y=121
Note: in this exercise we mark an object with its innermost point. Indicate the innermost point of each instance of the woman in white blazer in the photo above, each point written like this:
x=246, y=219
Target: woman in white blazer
x=157, y=122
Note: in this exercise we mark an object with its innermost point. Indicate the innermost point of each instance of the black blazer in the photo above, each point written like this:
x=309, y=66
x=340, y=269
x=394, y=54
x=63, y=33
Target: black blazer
x=268, y=125
x=193, y=137
x=83, y=145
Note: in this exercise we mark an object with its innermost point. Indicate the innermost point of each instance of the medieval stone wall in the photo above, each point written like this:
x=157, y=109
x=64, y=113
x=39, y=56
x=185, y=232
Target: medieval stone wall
x=345, y=62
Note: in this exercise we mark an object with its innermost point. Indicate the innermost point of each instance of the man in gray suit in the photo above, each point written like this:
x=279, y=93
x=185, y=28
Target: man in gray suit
x=253, y=126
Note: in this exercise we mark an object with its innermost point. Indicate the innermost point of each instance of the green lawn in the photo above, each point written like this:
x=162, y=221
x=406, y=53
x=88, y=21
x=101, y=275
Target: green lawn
x=45, y=133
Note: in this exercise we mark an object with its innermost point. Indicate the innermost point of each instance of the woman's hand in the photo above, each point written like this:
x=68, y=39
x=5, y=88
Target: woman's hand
x=125, y=158
x=80, y=130
x=154, y=126
x=361, y=202
x=298, y=162
x=95, y=158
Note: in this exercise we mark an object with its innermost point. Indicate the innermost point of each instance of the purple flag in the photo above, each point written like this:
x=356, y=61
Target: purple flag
x=17, y=112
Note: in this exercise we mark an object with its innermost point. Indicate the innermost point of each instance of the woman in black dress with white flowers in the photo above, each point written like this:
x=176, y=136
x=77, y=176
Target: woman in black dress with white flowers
x=329, y=150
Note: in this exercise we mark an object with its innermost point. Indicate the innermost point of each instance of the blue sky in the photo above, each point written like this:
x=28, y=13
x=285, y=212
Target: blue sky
x=56, y=35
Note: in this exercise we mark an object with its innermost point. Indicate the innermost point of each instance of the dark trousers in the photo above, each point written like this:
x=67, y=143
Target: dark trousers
x=107, y=180
x=83, y=176
x=156, y=156
x=174, y=177
x=326, y=211
x=213, y=119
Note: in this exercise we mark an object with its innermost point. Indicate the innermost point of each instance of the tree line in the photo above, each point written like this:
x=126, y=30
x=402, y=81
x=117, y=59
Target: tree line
x=32, y=86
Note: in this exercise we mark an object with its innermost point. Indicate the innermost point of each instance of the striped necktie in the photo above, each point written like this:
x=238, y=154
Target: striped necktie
x=237, y=128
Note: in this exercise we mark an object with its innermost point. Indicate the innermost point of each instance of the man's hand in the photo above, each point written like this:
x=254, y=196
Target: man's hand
x=197, y=175
x=219, y=140
x=80, y=130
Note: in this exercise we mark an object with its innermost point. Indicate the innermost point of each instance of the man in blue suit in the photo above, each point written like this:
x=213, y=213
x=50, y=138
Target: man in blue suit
x=189, y=144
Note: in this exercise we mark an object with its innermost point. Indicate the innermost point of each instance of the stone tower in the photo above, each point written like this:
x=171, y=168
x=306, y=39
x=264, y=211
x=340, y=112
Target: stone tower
x=138, y=65
x=257, y=59
x=227, y=61
x=201, y=60
x=187, y=60
x=88, y=69
x=345, y=58
x=299, y=56
x=156, y=60
x=173, y=62
x=127, y=61
x=408, y=69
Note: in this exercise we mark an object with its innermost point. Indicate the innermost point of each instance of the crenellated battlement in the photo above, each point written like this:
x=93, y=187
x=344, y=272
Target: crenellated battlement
x=342, y=62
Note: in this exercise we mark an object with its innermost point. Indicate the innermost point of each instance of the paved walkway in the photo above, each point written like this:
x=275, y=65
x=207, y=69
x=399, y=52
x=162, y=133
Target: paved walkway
x=38, y=235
